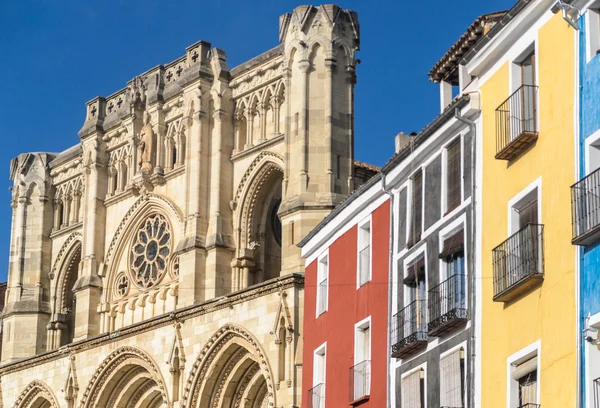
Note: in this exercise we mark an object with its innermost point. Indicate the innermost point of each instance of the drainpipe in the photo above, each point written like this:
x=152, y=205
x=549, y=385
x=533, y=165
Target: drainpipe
x=390, y=287
x=472, y=126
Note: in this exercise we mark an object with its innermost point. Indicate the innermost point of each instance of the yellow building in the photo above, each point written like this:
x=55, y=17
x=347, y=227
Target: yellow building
x=524, y=70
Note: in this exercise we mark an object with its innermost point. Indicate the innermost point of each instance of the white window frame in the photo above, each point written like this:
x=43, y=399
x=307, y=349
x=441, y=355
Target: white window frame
x=361, y=227
x=358, y=327
x=409, y=372
x=591, y=349
x=512, y=386
x=320, y=352
x=462, y=346
x=513, y=203
x=421, y=250
x=410, y=185
x=320, y=271
x=444, y=173
x=592, y=142
x=592, y=31
x=445, y=232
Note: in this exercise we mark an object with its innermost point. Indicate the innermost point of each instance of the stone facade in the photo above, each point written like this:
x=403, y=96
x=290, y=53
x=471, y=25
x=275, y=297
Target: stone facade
x=154, y=264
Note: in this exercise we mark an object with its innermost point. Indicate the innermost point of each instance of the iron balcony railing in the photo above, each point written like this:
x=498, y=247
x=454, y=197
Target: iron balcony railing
x=518, y=262
x=316, y=396
x=516, y=122
x=322, y=296
x=530, y=406
x=360, y=380
x=364, y=267
x=585, y=209
x=447, y=305
x=409, y=328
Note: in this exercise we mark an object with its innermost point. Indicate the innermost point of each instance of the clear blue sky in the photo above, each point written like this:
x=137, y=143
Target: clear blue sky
x=58, y=54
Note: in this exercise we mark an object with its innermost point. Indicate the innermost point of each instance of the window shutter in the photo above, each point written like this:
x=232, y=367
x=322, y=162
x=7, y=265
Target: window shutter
x=525, y=368
x=454, y=244
x=415, y=272
x=453, y=176
x=411, y=390
x=451, y=380
x=417, y=208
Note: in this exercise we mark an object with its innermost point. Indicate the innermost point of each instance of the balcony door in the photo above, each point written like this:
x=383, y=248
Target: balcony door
x=528, y=108
x=416, y=292
x=526, y=256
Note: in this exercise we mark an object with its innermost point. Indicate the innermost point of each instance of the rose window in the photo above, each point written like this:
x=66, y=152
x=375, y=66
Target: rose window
x=150, y=251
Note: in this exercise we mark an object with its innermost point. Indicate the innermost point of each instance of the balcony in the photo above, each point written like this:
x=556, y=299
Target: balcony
x=585, y=209
x=516, y=123
x=409, y=329
x=447, y=305
x=519, y=263
x=316, y=396
x=360, y=382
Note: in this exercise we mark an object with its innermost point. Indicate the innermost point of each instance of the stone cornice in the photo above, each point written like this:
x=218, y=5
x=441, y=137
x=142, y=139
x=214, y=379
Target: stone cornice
x=258, y=147
x=263, y=289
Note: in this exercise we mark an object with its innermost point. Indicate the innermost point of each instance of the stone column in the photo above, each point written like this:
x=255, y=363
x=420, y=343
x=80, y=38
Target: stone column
x=236, y=133
x=250, y=113
x=263, y=122
x=304, y=66
x=276, y=106
x=330, y=65
x=350, y=81
x=57, y=213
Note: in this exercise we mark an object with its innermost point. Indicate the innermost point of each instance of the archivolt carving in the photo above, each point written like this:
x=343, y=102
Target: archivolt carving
x=137, y=211
x=224, y=337
x=36, y=389
x=263, y=156
x=66, y=247
x=113, y=362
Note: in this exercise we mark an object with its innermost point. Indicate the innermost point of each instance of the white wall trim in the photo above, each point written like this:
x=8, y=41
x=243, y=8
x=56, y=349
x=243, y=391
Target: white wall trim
x=589, y=141
x=366, y=322
x=460, y=222
x=361, y=224
x=536, y=184
x=520, y=356
x=324, y=254
x=321, y=350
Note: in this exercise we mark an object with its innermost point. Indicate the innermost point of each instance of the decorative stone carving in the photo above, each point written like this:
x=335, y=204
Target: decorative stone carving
x=146, y=148
x=150, y=251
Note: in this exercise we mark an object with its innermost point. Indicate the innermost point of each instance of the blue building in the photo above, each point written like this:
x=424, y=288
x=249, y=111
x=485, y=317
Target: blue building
x=586, y=202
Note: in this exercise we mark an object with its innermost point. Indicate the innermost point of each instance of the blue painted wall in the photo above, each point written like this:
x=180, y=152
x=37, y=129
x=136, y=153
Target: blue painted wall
x=589, y=120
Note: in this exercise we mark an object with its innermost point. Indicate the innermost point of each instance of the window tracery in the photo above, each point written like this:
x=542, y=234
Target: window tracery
x=150, y=251
x=68, y=203
x=121, y=285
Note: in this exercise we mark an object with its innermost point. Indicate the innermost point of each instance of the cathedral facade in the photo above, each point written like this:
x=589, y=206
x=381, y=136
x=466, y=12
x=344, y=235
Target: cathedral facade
x=154, y=263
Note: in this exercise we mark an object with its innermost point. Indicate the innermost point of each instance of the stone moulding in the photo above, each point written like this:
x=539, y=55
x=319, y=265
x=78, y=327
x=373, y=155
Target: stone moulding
x=295, y=280
x=34, y=390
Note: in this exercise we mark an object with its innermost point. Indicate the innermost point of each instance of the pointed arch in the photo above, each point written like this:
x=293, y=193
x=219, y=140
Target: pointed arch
x=146, y=204
x=61, y=268
x=123, y=374
x=36, y=395
x=226, y=359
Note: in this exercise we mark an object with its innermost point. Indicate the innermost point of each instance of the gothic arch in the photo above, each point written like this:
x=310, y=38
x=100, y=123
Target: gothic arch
x=146, y=204
x=125, y=377
x=60, y=269
x=265, y=156
x=36, y=395
x=231, y=371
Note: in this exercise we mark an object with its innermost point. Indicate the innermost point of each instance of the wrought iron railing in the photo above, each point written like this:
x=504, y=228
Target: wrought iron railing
x=316, y=396
x=364, y=267
x=585, y=205
x=447, y=302
x=518, y=258
x=409, y=327
x=516, y=122
x=360, y=380
x=322, y=296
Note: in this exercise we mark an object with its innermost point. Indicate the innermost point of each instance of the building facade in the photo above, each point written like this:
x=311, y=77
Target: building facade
x=154, y=263
x=345, y=309
x=584, y=202
x=524, y=71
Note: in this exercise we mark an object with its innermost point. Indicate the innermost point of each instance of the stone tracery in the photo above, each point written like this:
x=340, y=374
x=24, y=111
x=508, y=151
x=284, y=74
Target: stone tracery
x=150, y=251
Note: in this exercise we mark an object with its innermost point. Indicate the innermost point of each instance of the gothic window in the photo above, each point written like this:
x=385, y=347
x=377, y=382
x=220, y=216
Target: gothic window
x=150, y=251
x=121, y=285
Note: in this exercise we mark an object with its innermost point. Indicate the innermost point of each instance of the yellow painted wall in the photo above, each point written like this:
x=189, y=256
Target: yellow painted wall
x=548, y=312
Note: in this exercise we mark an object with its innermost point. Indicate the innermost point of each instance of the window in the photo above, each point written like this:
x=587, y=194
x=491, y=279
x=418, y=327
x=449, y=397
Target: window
x=360, y=373
x=453, y=176
x=316, y=395
x=452, y=379
x=528, y=109
x=415, y=297
x=322, y=286
x=413, y=389
x=524, y=210
x=523, y=377
x=416, y=218
x=592, y=23
x=364, y=253
x=525, y=374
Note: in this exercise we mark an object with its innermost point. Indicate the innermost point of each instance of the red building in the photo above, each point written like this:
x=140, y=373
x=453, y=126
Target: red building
x=345, y=353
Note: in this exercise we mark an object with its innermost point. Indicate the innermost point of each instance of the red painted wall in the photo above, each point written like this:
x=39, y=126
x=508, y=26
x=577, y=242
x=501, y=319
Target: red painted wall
x=348, y=306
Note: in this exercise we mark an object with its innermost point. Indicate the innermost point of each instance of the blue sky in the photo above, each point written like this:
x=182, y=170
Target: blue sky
x=58, y=54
